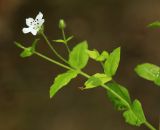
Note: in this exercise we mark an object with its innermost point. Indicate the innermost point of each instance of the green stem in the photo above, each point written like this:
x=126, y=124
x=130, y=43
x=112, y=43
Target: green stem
x=64, y=38
x=67, y=48
x=53, y=61
x=148, y=125
x=51, y=47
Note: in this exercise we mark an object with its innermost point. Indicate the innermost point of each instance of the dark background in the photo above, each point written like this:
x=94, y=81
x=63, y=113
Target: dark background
x=106, y=24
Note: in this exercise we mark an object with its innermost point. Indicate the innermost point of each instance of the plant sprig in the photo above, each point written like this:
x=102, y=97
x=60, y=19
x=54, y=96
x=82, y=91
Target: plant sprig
x=77, y=60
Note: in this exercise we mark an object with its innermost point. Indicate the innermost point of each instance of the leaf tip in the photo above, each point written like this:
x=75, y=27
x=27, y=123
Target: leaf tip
x=51, y=95
x=81, y=88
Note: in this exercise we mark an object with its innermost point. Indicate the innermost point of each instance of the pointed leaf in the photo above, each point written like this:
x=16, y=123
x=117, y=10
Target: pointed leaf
x=112, y=63
x=62, y=80
x=135, y=115
x=78, y=57
x=97, y=80
x=59, y=41
x=69, y=38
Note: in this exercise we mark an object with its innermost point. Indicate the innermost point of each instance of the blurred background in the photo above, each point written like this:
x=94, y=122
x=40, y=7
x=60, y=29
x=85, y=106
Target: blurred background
x=106, y=24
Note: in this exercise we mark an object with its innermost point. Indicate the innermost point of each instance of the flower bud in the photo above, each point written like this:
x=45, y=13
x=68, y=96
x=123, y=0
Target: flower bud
x=62, y=24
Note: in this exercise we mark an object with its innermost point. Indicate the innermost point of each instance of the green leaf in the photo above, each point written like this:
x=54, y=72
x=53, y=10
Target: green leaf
x=122, y=92
x=104, y=56
x=112, y=63
x=78, y=57
x=97, y=80
x=135, y=115
x=155, y=24
x=59, y=41
x=93, y=54
x=149, y=72
x=62, y=80
x=96, y=56
x=63, y=41
x=29, y=51
x=69, y=38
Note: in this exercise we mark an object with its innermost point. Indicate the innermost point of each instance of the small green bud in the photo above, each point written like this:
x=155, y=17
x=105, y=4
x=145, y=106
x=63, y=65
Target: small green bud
x=62, y=24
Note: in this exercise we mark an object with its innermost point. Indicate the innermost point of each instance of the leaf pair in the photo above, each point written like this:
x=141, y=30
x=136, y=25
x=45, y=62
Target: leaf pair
x=29, y=51
x=64, y=41
x=132, y=112
x=78, y=59
x=110, y=67
x=111, y=60
x=96, y=56
x=149, y=72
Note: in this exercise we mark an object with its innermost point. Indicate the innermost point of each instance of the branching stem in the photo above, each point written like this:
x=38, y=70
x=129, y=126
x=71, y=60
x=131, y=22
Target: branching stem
x=52, y=48
x=64, y=38
x=147, y=124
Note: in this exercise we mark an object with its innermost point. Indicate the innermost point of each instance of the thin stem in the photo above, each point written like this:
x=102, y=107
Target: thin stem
x=53, y=61
x=84, y=74
x=46, y=58
x=51, y=47
x=148, y=125
x=67, y=48
x=64, y=38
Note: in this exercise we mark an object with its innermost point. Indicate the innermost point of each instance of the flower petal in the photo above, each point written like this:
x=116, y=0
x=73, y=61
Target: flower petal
x=40, y=22
x=26, y=30
x=33, y=31
x=29, y=21
x=39, y=17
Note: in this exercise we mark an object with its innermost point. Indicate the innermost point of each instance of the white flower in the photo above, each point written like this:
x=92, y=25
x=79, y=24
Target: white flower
x=34, y=25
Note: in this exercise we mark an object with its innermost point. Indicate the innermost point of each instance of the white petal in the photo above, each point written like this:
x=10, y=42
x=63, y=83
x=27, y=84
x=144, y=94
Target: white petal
x=34, y=32
x=39, y=16
x=26, y=30
x=40, y=22
x=29, y=21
